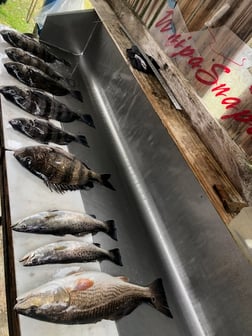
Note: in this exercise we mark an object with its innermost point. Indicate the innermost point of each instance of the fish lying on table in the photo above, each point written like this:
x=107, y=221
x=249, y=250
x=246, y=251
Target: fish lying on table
x=65, y=252
x=60, y=170
x=42, y=105
x=25, y=57
x=45, y=132
x=30, y=44
x=89, y=297
x=59, y=222
x=35, y=78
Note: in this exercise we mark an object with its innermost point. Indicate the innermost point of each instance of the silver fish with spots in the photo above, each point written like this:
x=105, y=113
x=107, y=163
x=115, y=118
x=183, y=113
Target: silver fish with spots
x=62, y=222
x=72, y=251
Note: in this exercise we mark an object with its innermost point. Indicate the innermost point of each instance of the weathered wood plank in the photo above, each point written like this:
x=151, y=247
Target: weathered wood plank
x=232, y=159
x=4, y=331
x=202, y=163
x=237, y=16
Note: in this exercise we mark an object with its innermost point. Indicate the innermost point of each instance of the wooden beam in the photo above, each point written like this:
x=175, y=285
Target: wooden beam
x=196, y=154
x=4, y=331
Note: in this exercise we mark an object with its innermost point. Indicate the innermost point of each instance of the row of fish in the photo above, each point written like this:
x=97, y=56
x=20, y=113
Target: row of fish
x=60, y=223
x=84, y=297
x=35, y=72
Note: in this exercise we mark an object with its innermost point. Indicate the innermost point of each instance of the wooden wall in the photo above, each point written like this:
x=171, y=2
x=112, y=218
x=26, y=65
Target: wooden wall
x=230, y=142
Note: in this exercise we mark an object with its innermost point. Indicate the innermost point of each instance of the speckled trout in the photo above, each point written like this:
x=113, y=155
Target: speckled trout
x=62, y=222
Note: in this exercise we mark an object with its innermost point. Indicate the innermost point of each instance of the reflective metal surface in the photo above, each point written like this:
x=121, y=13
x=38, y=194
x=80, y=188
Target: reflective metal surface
x=166, y=225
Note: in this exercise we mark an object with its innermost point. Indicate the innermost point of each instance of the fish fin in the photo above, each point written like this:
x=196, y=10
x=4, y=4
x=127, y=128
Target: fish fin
x=91, y=215
x=79, y=234
x=82, y=140
x=76, y=94
x=158, y=298
x=123, y=278
x=61, y=188
x=69, y=81
x=115, y=256
x=64, y=61
x=105, y=182
x=97, y=244
x=87, y=119
x=111, y=229
x=50, y=216
x=89, y=184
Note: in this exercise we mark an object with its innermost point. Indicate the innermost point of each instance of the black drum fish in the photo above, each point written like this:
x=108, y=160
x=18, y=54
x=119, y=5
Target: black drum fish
x=88, y=297
x=30, y=44
x=42, y=105
x=60, y=170
x=70, y=251
x=35, y=78
x=62, y=222
x=45, y=132
x=24, y=57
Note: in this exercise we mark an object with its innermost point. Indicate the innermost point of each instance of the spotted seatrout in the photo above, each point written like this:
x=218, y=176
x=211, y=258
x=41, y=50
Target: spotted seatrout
x=72, y=251
x=59, y=222
x=89, y=297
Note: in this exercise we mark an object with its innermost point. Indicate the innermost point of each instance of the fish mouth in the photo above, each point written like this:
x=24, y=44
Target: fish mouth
x=15, y=123
x=28, y=259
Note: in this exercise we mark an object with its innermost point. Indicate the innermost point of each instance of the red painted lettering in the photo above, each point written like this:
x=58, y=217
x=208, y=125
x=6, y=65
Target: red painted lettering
x=231, y=102
x=222, y=89
x=185, y=52
x=195, y=62
x=249, y=130
x=212, y=77
x=165, y=22
x=243, y=116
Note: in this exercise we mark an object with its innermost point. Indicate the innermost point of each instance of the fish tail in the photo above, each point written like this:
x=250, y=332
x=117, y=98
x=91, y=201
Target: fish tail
x=158, y=298
x=111, y=229
x=104, y=181
x=115, y=256
x=82, y=139
x=70, y=82
x=87, y=119
x=64, y=62
x=76, y=94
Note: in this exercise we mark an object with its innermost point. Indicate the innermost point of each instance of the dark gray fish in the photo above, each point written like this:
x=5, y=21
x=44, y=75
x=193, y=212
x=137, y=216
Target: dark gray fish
x=24, y=57
x=35, y=78
x=45, y=132
x=60, y=170
x=42, y=105
x=65, y=252
x=30, y=44
x=62, y=222
x=88, y=297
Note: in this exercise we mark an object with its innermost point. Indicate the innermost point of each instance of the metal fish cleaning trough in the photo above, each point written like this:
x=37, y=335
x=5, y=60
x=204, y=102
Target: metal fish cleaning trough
x=166, y=225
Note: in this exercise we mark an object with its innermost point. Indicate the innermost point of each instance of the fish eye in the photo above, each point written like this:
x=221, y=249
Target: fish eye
x=28, y=160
